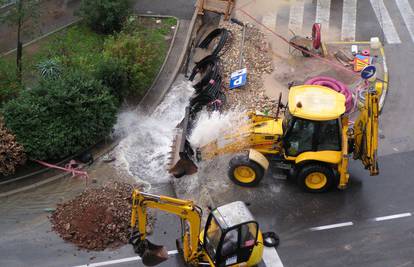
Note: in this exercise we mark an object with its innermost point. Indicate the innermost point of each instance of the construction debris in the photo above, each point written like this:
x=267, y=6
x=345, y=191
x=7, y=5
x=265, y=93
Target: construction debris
x=257, y=59
x=97, y=219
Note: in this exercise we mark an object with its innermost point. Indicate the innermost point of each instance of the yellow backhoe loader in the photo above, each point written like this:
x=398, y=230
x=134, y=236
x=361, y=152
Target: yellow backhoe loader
x=231, y=236
x=312, y=142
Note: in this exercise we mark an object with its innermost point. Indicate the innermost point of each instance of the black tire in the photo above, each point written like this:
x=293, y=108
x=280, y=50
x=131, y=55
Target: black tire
x=304, y=53
x=244, y=161
x=309, y=169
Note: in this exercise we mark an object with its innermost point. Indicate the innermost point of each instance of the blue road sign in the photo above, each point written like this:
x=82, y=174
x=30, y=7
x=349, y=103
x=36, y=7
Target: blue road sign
x=238, y=78
x=368, y=72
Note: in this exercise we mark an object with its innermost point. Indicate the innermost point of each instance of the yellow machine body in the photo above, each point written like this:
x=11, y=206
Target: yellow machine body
x=265, y=137
x=235, y=215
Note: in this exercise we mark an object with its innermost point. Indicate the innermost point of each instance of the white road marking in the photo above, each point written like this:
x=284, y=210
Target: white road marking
x=349, y=20
x=104, y=263
x=296, y=16
x=408, y=15
x=271, y=258
x=323, y=11
x=331, y=226
x=385, y=21
x=269, y=20
x=391, y=217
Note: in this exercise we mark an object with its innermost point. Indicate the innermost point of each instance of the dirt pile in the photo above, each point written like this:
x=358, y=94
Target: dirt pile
x=97, y=219
x=257, y=59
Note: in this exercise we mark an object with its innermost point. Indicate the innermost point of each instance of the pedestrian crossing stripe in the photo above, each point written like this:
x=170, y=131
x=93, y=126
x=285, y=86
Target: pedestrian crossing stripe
x=299, y=11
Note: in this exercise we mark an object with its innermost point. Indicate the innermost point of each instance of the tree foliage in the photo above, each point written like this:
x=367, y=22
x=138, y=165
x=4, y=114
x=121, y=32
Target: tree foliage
x=11, y=153
x=142, y=54
x=105, y=16
x=9, y=84
x=61, y=117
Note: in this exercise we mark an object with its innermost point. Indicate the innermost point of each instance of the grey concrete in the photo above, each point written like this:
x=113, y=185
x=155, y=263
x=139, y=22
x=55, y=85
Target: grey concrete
x=182, y=9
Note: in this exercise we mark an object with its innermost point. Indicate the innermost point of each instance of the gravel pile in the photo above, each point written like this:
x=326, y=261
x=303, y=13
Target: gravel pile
x=257, y=59
x=96, y=219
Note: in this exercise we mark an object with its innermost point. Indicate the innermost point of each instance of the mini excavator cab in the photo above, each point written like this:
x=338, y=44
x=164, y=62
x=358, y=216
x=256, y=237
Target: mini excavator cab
x=230, y=234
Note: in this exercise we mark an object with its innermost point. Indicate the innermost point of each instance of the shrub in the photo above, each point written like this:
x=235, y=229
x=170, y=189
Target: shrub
x=49, y=69
x=105, y=16
x=11, y=153
x=113, y=74
x=60, y=117
x=142, y=54
x=9, y=85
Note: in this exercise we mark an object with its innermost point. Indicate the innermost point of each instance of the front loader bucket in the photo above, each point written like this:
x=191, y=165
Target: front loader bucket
x=150, y=253
x=181, y=161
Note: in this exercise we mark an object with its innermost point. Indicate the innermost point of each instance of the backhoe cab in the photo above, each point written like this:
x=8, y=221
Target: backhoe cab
x=231, y=236
x=313, y=141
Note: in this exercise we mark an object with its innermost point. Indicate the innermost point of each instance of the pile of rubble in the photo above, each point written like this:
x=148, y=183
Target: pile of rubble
x=257, y=59
x=97, y=219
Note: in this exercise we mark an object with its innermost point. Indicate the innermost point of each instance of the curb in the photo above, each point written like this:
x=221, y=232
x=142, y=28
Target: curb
x=42, y=36
x=177, y=68
x=168, y=52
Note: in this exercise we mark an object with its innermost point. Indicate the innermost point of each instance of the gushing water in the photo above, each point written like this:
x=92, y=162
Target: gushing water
x=144, y=150
x=213, y=126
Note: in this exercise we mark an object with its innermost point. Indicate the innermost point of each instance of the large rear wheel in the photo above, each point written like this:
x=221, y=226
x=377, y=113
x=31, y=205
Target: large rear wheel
x=315, y=178
x=245, y=172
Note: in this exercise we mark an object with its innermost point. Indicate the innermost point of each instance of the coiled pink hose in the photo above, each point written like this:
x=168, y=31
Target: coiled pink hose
x=334, y=85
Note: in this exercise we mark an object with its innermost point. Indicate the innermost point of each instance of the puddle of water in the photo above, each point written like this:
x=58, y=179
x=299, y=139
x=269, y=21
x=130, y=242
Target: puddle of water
x=145, y=148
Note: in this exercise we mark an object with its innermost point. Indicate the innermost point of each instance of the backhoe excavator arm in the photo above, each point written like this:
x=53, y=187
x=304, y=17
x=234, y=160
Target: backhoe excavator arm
x=185, y=209
x=365, y=133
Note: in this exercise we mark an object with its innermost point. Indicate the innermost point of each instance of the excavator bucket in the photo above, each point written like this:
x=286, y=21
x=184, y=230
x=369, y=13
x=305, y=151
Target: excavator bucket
x=150, y=253
x=182, y=155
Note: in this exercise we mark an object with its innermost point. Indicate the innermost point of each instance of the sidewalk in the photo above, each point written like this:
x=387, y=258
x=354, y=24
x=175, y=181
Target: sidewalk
x=54, y=14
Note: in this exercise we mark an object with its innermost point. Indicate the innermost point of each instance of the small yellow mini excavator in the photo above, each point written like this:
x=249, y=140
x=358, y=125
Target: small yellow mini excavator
x=231, y=236
x=312, y=143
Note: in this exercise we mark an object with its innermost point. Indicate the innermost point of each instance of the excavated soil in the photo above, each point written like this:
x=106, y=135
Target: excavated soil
x=97, y=219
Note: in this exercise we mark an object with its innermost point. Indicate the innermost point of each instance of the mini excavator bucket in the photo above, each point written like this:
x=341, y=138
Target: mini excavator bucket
x=182, y=155
x=150, y=253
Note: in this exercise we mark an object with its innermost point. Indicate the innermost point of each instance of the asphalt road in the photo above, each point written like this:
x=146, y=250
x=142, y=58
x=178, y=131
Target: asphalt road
x=369, y=224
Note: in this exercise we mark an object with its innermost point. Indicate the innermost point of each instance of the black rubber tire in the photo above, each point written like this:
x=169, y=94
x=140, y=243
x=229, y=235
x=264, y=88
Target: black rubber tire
x=243, y=160
x=304, y=54
x=275, y=240
x=315, y=167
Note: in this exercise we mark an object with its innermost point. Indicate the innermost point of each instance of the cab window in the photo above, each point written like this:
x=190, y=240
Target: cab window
x=299, y=137
x=212, y=237
x=329, y=135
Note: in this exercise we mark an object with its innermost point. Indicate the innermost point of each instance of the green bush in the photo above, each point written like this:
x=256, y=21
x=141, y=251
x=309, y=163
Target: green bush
x=9, y=85
x=60, y=117
x=105, y=16
x=49, y=69
x=113, y=74
x=142, y=54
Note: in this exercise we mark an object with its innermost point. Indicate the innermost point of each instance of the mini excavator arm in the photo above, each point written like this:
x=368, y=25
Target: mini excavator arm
x=185, y=209
x=365, y=133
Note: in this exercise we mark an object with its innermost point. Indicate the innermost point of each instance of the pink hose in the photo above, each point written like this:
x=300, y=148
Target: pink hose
x=335, y=85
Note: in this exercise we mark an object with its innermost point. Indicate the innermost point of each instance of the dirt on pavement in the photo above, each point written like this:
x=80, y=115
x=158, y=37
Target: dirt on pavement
x=97, y=219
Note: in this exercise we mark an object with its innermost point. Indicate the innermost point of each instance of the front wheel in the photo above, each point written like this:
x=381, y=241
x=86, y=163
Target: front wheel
x=245, y=172
x=315, y=178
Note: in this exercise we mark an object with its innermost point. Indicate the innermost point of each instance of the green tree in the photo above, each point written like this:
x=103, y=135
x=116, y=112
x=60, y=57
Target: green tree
x=60, y=117
x=22, y=15
x=105, y=16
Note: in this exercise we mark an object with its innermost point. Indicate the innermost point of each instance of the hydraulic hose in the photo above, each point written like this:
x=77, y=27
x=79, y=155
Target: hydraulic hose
x=223, y=33
x=336, y=85
x=209, y=68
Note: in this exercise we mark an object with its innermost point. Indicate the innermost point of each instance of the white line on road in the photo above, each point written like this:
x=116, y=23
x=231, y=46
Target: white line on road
x=331, y=226
x=323, y=11
x=271, y=258
x=296, y=16
x=408, y=15
x=104, y=263
x=390, y=217
x=385, y=21
x=349, y=20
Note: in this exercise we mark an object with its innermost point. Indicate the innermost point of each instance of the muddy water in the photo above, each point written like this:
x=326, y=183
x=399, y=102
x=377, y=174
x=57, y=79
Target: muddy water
x=144, y=150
